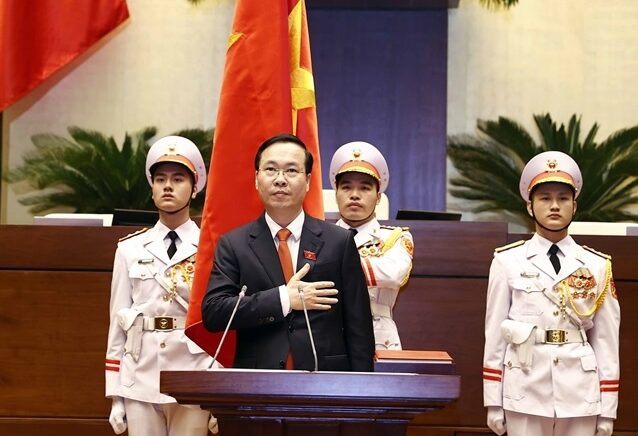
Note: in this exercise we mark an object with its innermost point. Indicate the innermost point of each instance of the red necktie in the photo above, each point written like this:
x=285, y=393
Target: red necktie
x=284, y=253
x=286, y=266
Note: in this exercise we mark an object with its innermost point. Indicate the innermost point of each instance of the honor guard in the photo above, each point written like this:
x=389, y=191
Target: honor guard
x=551, y=365
x=359, y=174
x=152, y=276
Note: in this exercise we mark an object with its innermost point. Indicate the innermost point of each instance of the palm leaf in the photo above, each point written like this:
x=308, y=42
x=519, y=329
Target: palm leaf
x=91, y=174
x=490, y=163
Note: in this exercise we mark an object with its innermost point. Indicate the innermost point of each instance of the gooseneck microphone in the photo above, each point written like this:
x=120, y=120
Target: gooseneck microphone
x=312, y=341
x=232, y=315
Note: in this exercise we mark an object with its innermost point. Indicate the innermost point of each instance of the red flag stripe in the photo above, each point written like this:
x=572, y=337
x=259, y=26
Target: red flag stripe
x=36, y=41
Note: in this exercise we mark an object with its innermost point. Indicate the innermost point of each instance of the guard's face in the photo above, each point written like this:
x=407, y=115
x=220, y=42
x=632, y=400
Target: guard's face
x=172, y=187
x=357, y=197
x=553, y=205
x=281, y=179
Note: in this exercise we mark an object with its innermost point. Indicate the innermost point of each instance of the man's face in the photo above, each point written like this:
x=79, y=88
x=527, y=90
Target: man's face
x=172, y=186
x=284, y=190
x=553, y=205
x=357, y=196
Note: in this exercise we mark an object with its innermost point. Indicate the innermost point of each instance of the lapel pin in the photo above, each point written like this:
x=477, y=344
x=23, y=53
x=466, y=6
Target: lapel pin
x=310, y=255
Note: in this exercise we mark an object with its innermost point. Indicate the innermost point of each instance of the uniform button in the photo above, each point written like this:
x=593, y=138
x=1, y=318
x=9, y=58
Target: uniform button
x=271, y=319
x=143, y=274
x=162, y=345
x=556, y=360
x=282, y=364
x=387, y=342
x=291, y=328
x=556, y=313
x=509, y=364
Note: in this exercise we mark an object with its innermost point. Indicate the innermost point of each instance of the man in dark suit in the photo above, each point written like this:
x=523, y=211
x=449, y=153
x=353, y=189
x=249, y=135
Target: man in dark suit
x=262, y=255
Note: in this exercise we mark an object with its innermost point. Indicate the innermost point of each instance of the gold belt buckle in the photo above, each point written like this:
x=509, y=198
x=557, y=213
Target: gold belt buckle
x=164, y=323
x=555, y=336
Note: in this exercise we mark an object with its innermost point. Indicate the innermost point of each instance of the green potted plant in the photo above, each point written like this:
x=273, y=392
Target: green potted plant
x=90, y=173
x=490, y=163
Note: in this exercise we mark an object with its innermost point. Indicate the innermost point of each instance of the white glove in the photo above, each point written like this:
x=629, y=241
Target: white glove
x=117, y=418
x=212, y=425
x=496, y=419
x=604, y=426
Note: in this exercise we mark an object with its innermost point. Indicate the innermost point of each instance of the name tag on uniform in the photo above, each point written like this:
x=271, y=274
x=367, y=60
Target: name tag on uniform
x=146, y=261
x=530, y=274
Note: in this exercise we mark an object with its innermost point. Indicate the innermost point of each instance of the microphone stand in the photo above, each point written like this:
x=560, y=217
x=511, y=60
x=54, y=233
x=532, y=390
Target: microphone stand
x=312, y=341
x=232, y=315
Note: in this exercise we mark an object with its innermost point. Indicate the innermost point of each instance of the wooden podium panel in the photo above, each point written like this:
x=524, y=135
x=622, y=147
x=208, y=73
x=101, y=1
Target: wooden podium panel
x=54, y=293
x=379, y=403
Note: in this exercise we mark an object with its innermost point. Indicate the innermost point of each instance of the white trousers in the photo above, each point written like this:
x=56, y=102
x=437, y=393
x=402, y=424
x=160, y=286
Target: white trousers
x=171, y=419
x=522, y=424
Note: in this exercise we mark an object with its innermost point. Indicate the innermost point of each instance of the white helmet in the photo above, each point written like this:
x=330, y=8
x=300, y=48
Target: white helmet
x=179, y=150
x=550, y=166
x=360, y=157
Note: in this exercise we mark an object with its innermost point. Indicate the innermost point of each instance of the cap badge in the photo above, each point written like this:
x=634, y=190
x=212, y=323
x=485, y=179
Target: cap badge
x=552, y=165
x=356, y=153
x=172, y=148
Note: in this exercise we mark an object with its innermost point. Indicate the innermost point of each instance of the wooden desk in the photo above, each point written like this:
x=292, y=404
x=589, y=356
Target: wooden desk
x=54, y=296
x=279, y=403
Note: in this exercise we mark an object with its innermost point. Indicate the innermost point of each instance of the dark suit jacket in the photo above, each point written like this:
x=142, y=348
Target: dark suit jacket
x=343, y=335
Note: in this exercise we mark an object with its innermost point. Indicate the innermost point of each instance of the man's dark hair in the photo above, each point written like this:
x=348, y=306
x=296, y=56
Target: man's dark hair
x=285, y=137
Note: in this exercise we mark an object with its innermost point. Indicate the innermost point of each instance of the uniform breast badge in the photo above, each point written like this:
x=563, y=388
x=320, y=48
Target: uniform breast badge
x=372, y=248
x=582, y=282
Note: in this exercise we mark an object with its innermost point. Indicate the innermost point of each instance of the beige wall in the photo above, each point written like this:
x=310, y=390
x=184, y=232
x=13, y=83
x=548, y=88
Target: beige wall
x=162, y=68
x=556, y=56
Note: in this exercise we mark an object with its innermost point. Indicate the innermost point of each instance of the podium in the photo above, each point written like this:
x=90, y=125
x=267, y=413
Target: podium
x=284, y=403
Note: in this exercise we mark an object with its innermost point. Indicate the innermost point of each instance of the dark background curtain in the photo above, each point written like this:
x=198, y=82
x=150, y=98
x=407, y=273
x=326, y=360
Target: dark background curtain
x=381, y=77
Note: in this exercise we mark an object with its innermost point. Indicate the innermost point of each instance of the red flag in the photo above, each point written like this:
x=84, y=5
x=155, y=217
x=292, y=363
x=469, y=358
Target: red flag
x=39, y=38
x=268, y=89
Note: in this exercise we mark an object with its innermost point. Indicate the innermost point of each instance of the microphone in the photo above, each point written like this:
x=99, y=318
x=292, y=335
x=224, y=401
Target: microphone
x=312, y=341
x=232, y=315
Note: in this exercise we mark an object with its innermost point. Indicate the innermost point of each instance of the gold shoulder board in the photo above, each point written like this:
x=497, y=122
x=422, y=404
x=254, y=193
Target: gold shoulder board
x=508, y=246
x=383, y=226
x=606, y=256
x=139, y=232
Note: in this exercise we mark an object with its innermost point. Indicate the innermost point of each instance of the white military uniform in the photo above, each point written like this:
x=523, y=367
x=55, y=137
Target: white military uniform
x=386, y=258
x=525, y=368
x=147, y=284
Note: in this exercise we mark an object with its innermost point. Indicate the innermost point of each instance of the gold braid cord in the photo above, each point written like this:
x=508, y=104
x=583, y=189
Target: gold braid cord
x=564, y=289
x=392, y=239
x=185, y=269
x=389, y=243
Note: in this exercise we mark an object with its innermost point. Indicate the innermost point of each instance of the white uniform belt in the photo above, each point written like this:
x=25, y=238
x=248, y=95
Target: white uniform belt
x=164, y=322
x=560, y=336
x=380, y=310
